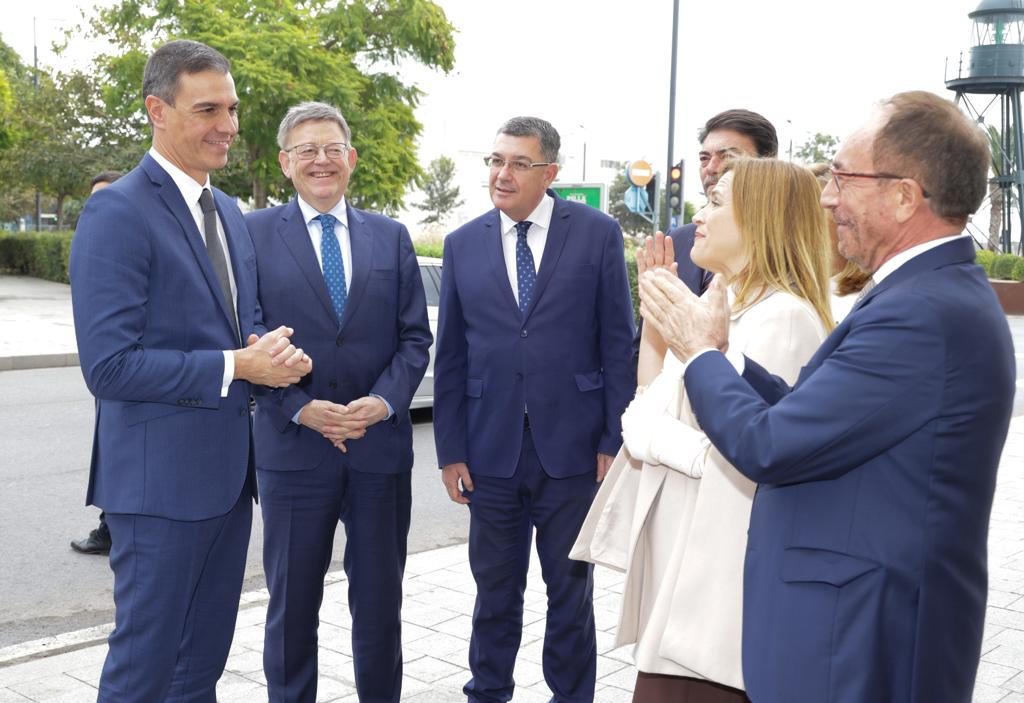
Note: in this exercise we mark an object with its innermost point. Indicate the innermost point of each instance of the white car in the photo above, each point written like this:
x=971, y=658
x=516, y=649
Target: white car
x=430, y=271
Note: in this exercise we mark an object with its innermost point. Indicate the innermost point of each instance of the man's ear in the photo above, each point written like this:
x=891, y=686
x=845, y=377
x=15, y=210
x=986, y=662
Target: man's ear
x=156, y=109
x=909, y=196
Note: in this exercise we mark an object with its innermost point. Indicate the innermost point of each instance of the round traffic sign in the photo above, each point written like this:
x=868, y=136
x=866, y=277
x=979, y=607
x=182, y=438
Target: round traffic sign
x=639, y=173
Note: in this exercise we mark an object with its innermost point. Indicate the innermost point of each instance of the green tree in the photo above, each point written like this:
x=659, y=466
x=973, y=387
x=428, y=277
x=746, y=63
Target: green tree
x=440, y=196
x=66, y=138
x=287, y=51
x=821, y=148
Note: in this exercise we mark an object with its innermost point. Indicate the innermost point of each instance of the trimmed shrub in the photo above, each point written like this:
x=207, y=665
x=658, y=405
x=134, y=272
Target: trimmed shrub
x=432, y=249
x=985, y=259
x=39, y=254
x=1018, y=270
x=1002, y=267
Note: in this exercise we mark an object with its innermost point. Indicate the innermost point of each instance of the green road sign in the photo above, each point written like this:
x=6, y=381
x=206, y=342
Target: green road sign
x=592, y=194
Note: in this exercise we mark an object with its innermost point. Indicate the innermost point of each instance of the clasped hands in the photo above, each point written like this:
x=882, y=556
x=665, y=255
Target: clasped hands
x=340, y=423
x=272, y=360
x=687, y=323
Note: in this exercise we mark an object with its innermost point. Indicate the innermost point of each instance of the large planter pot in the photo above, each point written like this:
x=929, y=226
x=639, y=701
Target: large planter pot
x=1011, y=296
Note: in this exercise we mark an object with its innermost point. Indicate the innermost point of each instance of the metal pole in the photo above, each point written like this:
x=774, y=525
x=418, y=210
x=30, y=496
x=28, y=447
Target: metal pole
x=584, y=162
x=671, y=111
x=35, y=67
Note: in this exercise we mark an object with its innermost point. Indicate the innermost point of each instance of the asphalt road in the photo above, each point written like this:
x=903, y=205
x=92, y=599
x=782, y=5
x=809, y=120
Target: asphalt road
x=45, y=587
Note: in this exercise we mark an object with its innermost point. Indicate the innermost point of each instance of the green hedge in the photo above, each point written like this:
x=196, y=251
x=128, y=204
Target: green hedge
x=39, y=254
x=1004, y=267
x=45, y=255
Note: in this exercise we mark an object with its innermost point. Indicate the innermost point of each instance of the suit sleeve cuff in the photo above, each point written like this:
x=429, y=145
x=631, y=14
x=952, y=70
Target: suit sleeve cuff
x=229, y=372
x=391, y=410
x=733, y=356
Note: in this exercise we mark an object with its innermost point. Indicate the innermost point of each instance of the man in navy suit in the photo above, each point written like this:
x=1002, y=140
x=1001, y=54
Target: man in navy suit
x=866, y=572
x=164, y=290
x=531, y=375
x=735, y=132
x=337, y=446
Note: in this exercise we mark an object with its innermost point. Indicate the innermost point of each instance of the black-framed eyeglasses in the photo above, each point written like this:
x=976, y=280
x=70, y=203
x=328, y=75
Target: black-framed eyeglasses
x=308, y=152
x=838, y=175
x=498, y=163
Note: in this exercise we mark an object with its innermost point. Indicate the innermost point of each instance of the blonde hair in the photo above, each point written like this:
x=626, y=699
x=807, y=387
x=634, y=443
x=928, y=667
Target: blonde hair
x=776, y=207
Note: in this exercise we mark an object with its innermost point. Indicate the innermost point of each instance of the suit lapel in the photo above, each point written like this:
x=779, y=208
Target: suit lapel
x=295, y=234
x=496, y=256
x=557, y=234
x=360, y=237
x=174, y=201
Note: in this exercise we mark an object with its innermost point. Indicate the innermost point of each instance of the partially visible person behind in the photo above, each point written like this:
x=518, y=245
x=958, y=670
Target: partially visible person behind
x=725, y=136
x=102, y=180
x=848, y=279
x=98, y=540
x=763, y=232
x=866, y=572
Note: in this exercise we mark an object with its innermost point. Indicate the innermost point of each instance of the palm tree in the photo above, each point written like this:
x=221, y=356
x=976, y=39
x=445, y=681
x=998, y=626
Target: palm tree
x=1001, y=162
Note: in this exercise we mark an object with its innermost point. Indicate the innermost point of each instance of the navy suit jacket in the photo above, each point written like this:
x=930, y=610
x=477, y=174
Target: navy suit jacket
x=566, y=361
x=689, y=273
x=866, y=573
x=380, y=346
x=152, y=325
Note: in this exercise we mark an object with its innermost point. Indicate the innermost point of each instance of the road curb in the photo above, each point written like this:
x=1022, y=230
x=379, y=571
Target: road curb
x=97, y=635
x=38, y=361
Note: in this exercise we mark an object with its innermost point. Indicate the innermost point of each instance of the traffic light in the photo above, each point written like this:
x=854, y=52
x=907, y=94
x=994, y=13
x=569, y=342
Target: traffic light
x=675, y=191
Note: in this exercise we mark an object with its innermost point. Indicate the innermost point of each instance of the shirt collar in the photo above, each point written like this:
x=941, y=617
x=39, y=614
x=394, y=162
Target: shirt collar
x=904, y=256
x=339, y=211
x=541, y=215
x=187, y=186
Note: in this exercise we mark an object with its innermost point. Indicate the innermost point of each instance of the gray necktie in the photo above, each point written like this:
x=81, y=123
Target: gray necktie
x=216, y=253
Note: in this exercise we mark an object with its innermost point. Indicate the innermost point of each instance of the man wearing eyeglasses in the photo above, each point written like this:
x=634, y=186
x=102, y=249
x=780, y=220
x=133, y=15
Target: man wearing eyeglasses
x=337, y=447
x=531, y=375
x=866, y=577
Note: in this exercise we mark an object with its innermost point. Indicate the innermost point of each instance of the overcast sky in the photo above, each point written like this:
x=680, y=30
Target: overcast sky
x=599, y=70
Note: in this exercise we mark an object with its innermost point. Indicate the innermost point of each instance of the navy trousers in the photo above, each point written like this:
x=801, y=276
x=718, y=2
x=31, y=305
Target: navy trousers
x=176, y=590
x=503, y=515
x=301, y=510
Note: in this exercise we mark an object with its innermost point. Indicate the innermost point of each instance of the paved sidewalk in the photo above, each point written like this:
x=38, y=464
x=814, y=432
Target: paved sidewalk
x=39, y=331
x=438, y=606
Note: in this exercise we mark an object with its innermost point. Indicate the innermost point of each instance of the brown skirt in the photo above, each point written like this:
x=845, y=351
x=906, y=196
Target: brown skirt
x=662, y=688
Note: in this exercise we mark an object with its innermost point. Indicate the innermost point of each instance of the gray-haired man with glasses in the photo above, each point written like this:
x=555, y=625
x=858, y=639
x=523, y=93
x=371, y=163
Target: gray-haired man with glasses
x=338, y=447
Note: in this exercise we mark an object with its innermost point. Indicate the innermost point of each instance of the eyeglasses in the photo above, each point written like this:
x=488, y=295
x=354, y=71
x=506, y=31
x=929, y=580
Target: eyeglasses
x=308, y=152
x=498, y=163
x=838, y=175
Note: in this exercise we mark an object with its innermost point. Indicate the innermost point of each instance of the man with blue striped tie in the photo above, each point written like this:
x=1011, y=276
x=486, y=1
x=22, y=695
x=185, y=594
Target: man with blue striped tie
x=338, y=447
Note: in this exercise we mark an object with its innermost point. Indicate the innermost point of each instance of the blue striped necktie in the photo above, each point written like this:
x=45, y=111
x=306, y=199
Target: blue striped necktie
x=526, y=273
x=334, y=268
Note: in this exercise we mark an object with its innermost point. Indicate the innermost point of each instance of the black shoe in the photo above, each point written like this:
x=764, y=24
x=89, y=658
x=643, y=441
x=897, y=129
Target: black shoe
x=96, y=543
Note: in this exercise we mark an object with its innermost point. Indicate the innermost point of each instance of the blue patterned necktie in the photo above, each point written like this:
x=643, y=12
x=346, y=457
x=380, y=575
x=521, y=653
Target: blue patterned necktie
x=334, y=268
x=526, y=273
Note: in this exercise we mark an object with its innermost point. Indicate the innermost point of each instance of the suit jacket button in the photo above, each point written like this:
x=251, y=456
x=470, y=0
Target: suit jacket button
x=337, y=342
x=332, y=384
x=523, y=334
x=241, y=412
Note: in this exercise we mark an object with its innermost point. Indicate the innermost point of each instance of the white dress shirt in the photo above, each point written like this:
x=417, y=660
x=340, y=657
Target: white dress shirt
x=190, y=191
x=536, y=238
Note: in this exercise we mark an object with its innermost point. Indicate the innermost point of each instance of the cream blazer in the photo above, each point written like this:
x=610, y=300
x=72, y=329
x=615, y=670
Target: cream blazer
x=678, y=525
